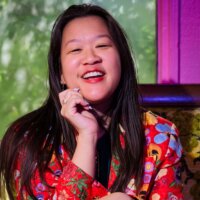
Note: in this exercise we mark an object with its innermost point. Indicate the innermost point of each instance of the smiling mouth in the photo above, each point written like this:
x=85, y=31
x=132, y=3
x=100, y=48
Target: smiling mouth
x=93, y=74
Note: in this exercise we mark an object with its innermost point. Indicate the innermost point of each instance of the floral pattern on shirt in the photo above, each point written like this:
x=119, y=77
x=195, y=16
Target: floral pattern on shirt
x=161, y=170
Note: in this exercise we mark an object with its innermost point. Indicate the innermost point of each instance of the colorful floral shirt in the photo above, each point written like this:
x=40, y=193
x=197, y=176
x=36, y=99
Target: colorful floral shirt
x=161, y=171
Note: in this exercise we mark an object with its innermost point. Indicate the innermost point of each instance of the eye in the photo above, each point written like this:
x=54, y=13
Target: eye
x=75, y=50
x=103, y=45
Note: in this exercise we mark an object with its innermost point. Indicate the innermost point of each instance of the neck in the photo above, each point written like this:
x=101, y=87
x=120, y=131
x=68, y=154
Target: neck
x=102, y=115
x=102, y=107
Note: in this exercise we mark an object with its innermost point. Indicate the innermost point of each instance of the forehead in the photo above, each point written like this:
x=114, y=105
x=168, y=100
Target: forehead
x=85, y=25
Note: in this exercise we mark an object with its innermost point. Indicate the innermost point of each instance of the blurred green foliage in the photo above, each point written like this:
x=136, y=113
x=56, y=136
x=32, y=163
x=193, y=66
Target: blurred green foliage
x=24, y=41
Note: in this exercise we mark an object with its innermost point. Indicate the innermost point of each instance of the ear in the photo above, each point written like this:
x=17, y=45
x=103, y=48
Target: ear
x=62, y=80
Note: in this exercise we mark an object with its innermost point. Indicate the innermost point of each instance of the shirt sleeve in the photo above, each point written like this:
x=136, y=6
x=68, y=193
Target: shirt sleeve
x=167, y=185
x=74, y=183
x=69, y=183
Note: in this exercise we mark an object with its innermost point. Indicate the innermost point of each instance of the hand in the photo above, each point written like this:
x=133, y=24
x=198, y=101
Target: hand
x=78, y=112
x=116, y=195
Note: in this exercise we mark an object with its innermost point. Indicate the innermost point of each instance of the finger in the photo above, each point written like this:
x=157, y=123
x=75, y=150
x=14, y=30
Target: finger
x=75, y=100
x=76, y=89
x=83, y=101
x=69, y=96
x=69, y=93
x=73, y=106
x=65, y=95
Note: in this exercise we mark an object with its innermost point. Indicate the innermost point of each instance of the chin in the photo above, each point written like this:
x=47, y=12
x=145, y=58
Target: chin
x=97, y=96
x=98, y=100
x=94, y=101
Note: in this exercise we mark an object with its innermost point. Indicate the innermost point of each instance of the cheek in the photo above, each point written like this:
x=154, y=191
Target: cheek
x=69, y=76
x=116, y=58
x=116, y=67
x=68, y=64
x=117, y=75
x=70, y=83
x=69, y=70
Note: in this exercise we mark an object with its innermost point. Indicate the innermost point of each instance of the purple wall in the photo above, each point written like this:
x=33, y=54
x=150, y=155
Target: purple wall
x=190, y=41
x=178, y=41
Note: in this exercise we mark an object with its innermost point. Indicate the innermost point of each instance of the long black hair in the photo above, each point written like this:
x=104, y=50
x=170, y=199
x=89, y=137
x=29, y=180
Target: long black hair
x=40, y=133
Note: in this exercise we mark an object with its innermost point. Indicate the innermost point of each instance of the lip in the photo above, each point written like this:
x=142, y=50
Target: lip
x=93, y=80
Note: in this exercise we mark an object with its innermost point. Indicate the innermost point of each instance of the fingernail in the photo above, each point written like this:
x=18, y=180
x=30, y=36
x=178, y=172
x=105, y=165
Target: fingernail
x=88, y=104
x=90, y=107
x=76, y=89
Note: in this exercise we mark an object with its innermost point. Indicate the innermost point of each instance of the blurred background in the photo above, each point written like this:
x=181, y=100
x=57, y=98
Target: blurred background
x=24, y=42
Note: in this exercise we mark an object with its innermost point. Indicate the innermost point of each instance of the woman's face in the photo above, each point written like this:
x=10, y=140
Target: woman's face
x=89, y=58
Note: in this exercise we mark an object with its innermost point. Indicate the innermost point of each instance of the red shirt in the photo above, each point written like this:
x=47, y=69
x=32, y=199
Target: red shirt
x=160, y=180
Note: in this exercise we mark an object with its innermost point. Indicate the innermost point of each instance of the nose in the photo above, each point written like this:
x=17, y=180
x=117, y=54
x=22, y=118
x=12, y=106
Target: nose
x=90, y=57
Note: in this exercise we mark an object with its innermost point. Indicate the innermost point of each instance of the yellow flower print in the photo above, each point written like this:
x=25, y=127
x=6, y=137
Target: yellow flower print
x=150, y=119
x=156, y=196
x=53, y=158
x=145, y=187
x=161, y=173
x=63, y=195
x=155, y=151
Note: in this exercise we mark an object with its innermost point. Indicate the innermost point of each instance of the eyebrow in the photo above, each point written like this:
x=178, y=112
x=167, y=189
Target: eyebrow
x=96, y=37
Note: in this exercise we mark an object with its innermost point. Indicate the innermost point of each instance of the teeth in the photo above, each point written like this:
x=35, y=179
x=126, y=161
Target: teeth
x=92, y=74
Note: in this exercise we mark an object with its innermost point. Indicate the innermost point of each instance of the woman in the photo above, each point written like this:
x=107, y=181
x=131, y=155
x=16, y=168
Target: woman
x=90, y=139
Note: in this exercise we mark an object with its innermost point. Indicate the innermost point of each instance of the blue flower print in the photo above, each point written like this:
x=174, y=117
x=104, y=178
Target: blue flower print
x=179, y=150
x=60, y=150
x=147, y=178
x=40, y=187
x=57, y=172
x=165, y=128
x=176, y=146
x=160, y=138
x=173, y=143
x=40, y=197
x=148, y=140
